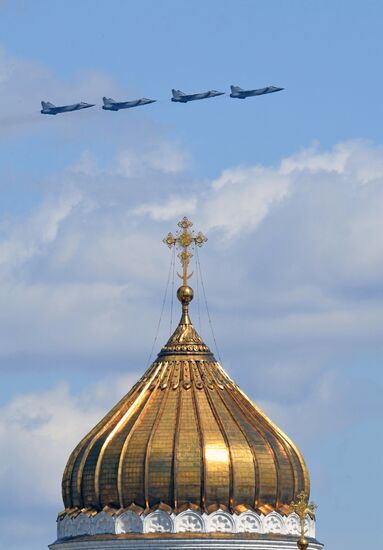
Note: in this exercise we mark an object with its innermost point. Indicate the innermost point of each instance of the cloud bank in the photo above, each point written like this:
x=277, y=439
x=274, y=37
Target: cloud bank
x=297, y=244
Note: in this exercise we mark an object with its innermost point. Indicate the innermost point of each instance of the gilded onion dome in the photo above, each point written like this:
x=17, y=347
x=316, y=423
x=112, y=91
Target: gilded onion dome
x=185, y=437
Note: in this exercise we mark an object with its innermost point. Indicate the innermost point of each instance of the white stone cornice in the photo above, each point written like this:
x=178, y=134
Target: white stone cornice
x=185, y=522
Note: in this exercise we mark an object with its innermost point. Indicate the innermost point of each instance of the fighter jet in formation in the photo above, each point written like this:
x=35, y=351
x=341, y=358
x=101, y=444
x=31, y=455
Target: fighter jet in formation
x=50, y=109
x=111, y=105
x=240, y=93
x=178, y=96
x=181, y=97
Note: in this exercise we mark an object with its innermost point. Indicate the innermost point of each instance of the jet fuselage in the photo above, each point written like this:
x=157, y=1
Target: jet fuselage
x=111, y=105
x=238, y=93
x=180, y=97
x=50, y=109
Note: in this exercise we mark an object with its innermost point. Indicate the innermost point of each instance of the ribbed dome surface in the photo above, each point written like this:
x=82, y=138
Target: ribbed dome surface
x=185, y=436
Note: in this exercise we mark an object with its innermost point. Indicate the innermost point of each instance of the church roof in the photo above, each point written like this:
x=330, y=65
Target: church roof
x=185, y=436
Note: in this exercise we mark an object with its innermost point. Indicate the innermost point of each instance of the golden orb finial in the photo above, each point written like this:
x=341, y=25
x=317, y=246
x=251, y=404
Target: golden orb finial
x=185, y=294
x=302, y=543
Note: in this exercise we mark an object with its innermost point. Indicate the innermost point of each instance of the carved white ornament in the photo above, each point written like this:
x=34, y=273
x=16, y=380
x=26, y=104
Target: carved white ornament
x=249, y=522
x=129, y=522
x=188, y=522
x=158, y=522
x=273, y=523
x=310, y=525
x=81, y=525
x=102, y=524
x=64, y=528
x=292, y=524
x=220, y=522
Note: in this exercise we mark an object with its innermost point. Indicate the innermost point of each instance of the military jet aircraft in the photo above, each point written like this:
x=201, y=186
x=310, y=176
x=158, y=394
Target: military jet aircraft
x=181, y=97
x=240, y=93
x=111, y=105
x=50, y=109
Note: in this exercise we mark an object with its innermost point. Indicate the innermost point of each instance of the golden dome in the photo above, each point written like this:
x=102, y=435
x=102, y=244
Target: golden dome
x=185, y=436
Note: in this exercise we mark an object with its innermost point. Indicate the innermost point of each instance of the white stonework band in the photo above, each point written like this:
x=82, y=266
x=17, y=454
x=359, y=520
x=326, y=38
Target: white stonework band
x=185, y=522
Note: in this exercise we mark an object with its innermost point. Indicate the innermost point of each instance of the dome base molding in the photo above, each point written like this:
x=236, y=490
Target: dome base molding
x=182, y=543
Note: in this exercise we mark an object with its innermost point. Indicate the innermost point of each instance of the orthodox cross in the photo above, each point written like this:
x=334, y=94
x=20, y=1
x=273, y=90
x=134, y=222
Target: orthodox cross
x=302, y=507
x=183, y=240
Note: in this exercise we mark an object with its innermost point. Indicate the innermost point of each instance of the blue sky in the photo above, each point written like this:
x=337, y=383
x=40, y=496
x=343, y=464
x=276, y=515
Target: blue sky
x=288, y=188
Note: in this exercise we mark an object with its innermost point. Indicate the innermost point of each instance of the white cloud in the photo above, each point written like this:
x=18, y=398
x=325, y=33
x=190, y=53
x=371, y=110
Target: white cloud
x=86, y=165
x=300, y=263
x=314, y=160
x=301, y=254
x=241, y=198
x=82, y=267
x=39, y=430
x=20, y=111
x=174, y=207
x=352, y=158
x=27, y=240
x=15, y=72
x=78, y=261
x=162, y=157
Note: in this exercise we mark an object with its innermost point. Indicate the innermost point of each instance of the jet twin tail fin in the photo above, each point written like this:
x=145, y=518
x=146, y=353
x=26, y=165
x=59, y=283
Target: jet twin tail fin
x=47, y=105
x=236, y=89
x=177, y=93
x=107, y=100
